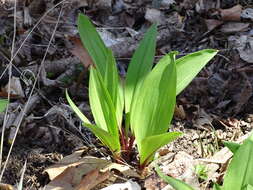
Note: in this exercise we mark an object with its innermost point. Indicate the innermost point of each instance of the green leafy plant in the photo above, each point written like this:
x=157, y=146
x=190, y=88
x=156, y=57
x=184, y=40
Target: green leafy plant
x=238, y=175
x=145, y=99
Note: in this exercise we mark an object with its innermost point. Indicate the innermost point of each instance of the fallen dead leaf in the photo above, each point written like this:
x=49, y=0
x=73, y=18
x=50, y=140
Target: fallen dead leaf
x=179, y=112
x=212, y=24
x=16, y=89
x=72, y=178
x=80, y=51
x=243, y=97
x=123, y=169
x=232, y=27
x=231, y=14
x=68, y=174
x=244, y=44
x=76, y=159
x=4, y=186
x=92, y=179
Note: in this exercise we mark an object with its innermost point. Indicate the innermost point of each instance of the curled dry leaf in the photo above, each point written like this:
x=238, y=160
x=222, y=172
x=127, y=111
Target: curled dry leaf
x=231, y=14
x=244, y=44
x=80, y=51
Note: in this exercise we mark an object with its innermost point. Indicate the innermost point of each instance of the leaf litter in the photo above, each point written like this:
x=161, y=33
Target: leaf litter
x=216, y=106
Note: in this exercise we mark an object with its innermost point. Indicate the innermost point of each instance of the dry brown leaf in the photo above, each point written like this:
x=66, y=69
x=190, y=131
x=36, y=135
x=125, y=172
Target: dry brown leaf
x=179, y=112
x=76, y=159
x=212, y=24
x=244, y=96
x=232, y=27
x=92, y=179
x=64, y=181
x=16, y=90
x=72, y=178
x=80, y=51
x=231, y=14
x=4, y=186
x=244, y=44
x=123, y=169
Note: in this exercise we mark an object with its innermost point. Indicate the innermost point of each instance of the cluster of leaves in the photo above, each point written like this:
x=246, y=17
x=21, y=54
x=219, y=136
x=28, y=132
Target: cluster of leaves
x=145, y=99
x=238, y=175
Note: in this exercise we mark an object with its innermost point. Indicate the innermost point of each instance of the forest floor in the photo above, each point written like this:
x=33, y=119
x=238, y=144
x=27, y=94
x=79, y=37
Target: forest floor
x=46, y=59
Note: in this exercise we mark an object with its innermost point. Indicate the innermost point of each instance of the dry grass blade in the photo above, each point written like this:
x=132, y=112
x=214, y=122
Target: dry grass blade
x=20, y=184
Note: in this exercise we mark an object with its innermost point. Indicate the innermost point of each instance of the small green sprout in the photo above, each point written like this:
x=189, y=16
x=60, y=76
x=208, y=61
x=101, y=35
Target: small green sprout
x=201, y=171
x=145, y=99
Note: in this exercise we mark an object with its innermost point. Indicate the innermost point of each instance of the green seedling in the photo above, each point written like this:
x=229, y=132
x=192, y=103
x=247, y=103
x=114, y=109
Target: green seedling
x=145, y=99
x=238, y=175
x=201, y=171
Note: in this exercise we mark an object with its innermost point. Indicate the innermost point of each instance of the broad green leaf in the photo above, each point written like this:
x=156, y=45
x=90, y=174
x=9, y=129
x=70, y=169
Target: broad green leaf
x=140, y=65
x=120, y=103
x=3, y=104
x=111, y=78
x=153, y=105
x=190, y=65
x=92, y=42
x=233, y=147
x=240, y=170
x=101, y=104
x=175, y=183
x=216, y=187
x=76, y=109
x=249, y=187
x=151, y=144
x=111, y=141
